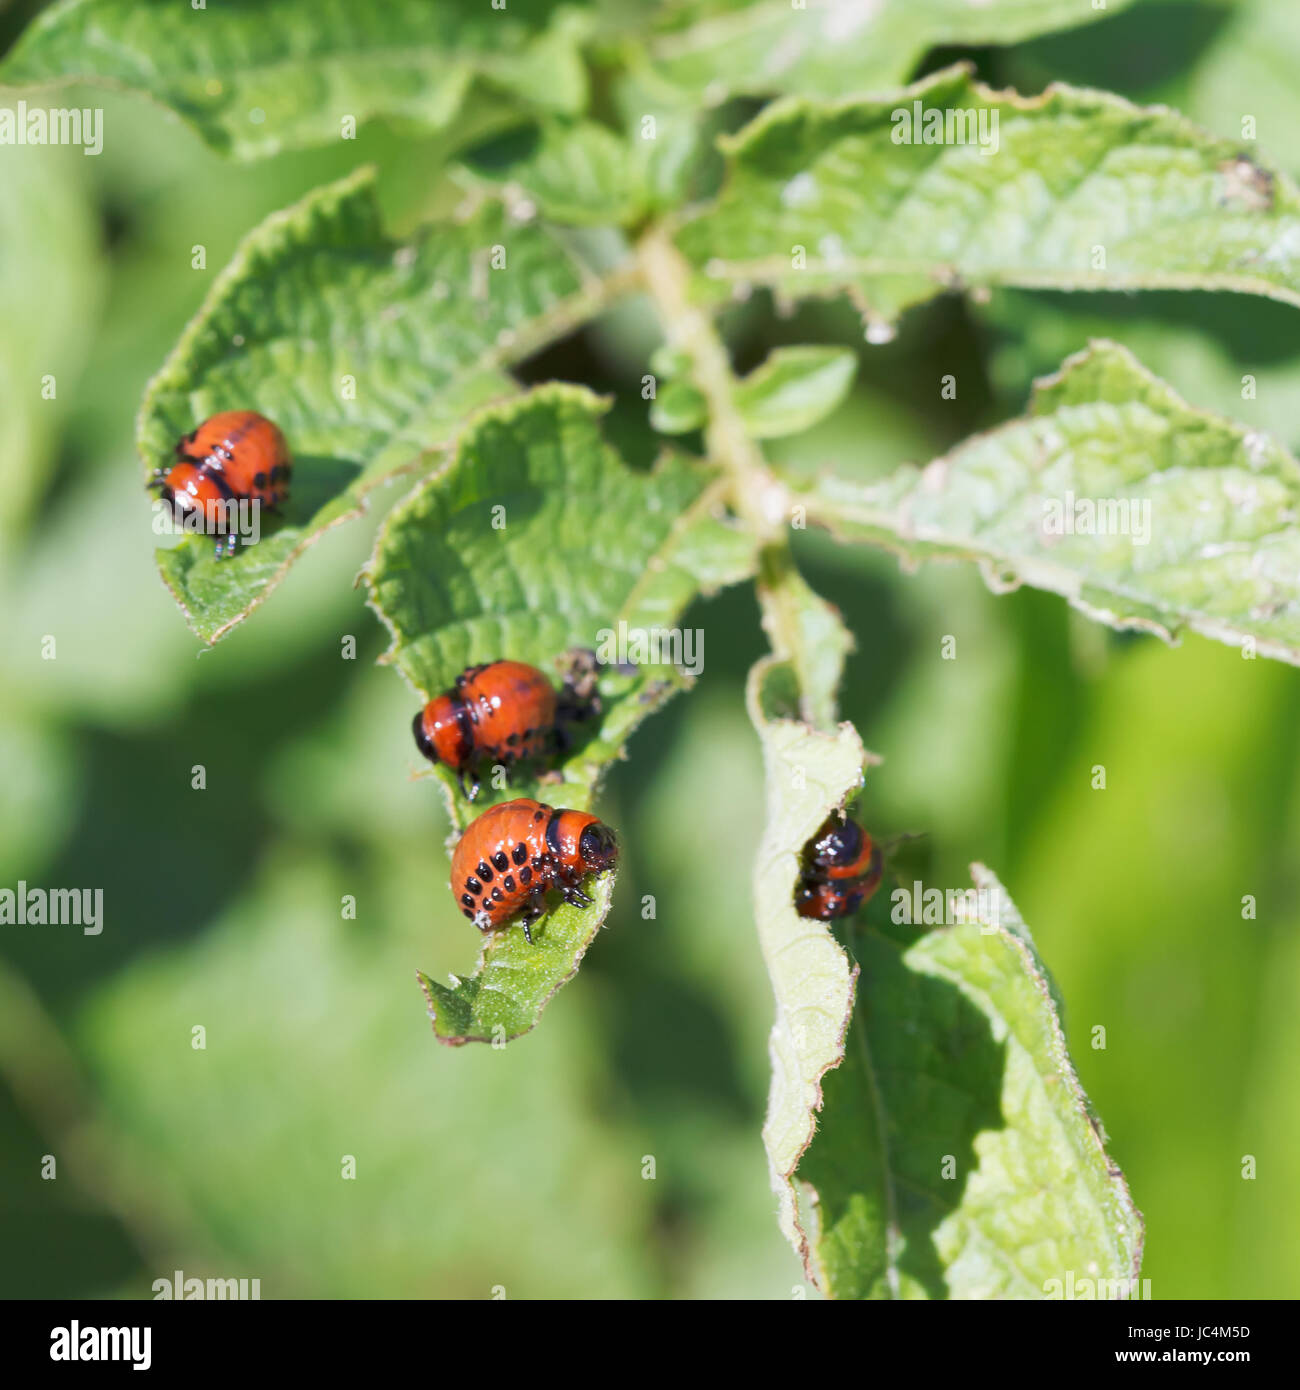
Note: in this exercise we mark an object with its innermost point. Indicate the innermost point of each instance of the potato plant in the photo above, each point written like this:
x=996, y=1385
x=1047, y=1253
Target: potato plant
x=926, y=1133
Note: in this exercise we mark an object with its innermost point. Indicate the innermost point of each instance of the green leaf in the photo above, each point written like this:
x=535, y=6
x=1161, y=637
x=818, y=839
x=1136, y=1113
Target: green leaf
x=255, y=78
x=514, y=981
x=957, y=1154
x=949, y=1106
x=794, y=389
x=829, y=48
x=537, y=540
x=368, y=352
x=806, y=631
x=1112, y=491
x=573, y=172
x=1071, y=190
x=673, y=140
x=809, y=774
x=678, y=408
x=668, y=361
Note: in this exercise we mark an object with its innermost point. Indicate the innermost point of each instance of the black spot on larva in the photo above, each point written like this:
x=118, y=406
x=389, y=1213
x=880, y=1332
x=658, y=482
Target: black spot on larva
x=468, y=913
x=508, y=883
x=525, y=875
x=499, y=861
x=496, y=895
x=553, y=834
x=512, y=739
x=538, y=815
x=484, y=871
x=467, y=900
x=519, y=853
x=473, y=885
x=259, y=479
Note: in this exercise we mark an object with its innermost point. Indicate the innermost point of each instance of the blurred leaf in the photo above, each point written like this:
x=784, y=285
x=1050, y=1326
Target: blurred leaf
x=822, y=198
x=38, y=793
x=957, y=1155
x=1194, y=984
x=1238, y=358
x=366, y=351
x=1226, y=64
x=809, y=775
x=678, y=408
x=578, y=173
x=308, y=1061
x=256, y=76
x=833, y=48
x=668, y=361
x=52, y=278
x=794, y=389
x=1249, y=72
x=672, y=138
x=1057, y=500
x=536, y=540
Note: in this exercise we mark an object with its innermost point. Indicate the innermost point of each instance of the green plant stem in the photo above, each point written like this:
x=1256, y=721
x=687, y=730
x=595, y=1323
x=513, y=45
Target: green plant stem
x=758, y=498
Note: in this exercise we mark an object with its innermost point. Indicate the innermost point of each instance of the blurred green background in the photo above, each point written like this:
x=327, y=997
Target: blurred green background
x=522, y=1168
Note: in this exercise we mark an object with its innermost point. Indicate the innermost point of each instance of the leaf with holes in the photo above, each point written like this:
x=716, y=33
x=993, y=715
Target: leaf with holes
x=535, y=542
x=951, y=185
x=256, y=78
x=1142, y=510
x=957, y=1155
x=368, y=352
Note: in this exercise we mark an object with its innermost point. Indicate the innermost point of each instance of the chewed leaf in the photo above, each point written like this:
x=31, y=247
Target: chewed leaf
x=957, y=1155
x=809, y=774
x=949, y=184
x=535, y=542
x=514, y=980
x=367, y=352
x=1142, y=510
x=255, y=78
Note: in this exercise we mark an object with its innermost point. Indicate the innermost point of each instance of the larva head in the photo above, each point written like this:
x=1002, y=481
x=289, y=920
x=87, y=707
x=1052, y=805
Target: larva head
x=443, y=732
x=841, y=849
x=187, y=488
x=837, y=844
x=579, y=841
x=598, y=846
